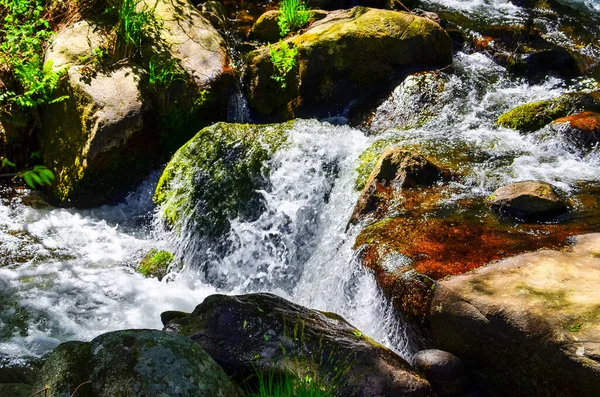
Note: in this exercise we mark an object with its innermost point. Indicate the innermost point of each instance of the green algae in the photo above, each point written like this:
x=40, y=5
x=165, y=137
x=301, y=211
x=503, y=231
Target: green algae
x=215, y=175
x=155, y=263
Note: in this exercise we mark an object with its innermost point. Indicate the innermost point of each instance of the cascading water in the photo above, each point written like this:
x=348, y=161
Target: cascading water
x=69, y=275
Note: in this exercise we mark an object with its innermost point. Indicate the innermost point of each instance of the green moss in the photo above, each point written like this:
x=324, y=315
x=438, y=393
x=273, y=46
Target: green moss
x=155, y=263
x=535, y=115
x=215, y=175
x=369, y=157
x=551, y=299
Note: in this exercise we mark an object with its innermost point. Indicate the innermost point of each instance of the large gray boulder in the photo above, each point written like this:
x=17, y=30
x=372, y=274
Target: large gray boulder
x=264, y=332
x=134, y=363
x=529, y=324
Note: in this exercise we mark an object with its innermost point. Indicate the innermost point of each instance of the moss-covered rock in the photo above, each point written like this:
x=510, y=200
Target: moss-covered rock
x=535, y=115
x=134, y=363
x=349, y=55
x=215, y=175
x=266, y=28
x=263, y=332
x=155, y=264
x=395, y=171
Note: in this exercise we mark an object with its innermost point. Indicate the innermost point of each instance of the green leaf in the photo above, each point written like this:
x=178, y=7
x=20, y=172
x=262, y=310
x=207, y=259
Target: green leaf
x=28, y=180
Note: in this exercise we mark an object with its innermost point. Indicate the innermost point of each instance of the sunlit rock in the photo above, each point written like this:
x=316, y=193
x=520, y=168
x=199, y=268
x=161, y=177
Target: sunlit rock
x=527, y=200
x=582, y=129
x=533, y=116
x=529, y=324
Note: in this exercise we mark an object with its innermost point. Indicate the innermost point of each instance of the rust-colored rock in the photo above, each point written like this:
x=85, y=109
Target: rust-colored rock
x=397, y=169
x=582, y=129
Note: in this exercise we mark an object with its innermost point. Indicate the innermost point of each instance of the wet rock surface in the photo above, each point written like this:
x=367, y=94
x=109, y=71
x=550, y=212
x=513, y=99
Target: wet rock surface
x=582, y=129
x=265, y=332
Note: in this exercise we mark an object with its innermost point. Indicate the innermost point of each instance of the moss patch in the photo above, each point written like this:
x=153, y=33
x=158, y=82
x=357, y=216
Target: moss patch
x=155, y=263
x=215, y=175
x=535, y=115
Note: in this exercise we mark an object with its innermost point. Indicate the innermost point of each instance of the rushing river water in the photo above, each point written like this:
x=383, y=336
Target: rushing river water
x=69, y=274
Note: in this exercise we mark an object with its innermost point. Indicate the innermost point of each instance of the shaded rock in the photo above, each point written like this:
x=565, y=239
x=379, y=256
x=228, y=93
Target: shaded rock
x=214, y=12
x=444, y=370
x=529, y=324
x=582, y=129
x=134, y=363
x=15, y=390
x=535, y=115
x=527, y=199
x=216, y=175
x=396, y=169
x=525, y=52
x=350, y=54
x=263, y=332
x=89, y=139
x=412, y=103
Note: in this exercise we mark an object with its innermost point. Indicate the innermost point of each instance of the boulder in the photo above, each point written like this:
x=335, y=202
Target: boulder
x=530, y=324
x=97, y=142
x=527, y=199
x=396, y=169
x=215, y=13
x=444, y=370
x=525, y=52
x=134, y=363
x=348, y=56
x=533, y=116
x=582, y=129
x=412, y=103
x=215, y=176
x=263, y=332
x=108, y=134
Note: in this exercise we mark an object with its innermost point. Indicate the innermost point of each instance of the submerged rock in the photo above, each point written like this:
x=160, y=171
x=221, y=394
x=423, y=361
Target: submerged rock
x=444, y=370
x=347, y=56
x=527, y=199
x=396, y=169
x=529, y=324
x=134, y=363
x=263, y=332
x=216, y=175
x=535, y=115
x=582, y=129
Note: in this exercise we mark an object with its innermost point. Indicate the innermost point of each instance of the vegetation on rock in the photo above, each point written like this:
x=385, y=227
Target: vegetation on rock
x=156, y=263
x=216, y=174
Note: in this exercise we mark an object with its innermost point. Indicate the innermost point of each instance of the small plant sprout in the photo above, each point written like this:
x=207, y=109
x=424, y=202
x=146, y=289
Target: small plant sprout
x=293, y=16
x=283, y=58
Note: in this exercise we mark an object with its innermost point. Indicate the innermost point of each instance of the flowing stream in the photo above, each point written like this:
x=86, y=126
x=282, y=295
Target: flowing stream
x=69, y=274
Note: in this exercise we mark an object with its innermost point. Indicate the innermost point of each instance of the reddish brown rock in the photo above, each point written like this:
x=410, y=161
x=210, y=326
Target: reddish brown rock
x=397, y=169
x=583, y=129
